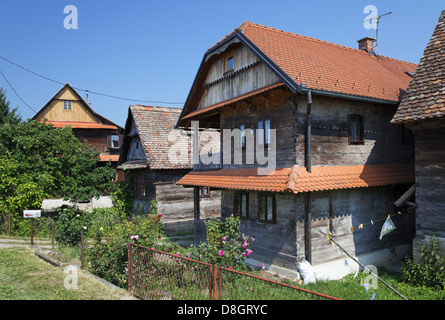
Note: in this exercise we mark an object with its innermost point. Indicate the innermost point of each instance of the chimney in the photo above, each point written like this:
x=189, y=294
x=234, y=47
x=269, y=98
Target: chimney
x=367, y=44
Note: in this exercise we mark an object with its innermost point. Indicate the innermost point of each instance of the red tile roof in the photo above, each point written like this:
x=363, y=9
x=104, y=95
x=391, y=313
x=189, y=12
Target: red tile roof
x=297, y=180
x=317, y=65
x=425, y=96
x=331, y=67
x=80, y=125
x=109, y=157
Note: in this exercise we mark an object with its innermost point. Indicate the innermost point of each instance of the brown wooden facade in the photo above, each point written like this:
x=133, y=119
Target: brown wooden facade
x=244, y=83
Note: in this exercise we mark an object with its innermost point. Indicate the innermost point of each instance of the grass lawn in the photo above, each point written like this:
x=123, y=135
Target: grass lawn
x=23, y=276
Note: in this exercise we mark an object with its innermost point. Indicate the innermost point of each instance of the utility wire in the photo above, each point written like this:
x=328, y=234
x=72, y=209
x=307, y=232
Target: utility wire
x=16, y=92
x=85, y=90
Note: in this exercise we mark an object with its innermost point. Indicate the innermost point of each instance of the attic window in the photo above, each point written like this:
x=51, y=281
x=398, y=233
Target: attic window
x=229, y=62
x=66, y=105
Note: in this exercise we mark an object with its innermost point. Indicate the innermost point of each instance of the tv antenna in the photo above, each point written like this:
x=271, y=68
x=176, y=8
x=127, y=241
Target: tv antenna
x=377, y=26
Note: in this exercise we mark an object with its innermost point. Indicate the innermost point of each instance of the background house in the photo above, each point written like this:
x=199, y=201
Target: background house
x=422, y=110
x=68, y=108
x=340, y=164
x=149, y=157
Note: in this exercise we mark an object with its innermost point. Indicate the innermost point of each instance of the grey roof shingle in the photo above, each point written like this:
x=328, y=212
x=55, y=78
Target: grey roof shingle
x=165, y=147
x=425, y=95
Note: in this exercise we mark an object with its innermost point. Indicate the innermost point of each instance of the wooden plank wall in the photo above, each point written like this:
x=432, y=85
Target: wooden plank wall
x=248, y=74
x=430, y=182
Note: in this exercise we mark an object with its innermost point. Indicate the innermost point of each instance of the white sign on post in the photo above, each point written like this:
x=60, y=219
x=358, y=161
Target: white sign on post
x=32, y=213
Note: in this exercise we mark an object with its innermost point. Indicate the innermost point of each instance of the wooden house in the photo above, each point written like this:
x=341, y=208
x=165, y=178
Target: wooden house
x=422, y=110
x=149, y=151
x=68, y=108
x=321, y=113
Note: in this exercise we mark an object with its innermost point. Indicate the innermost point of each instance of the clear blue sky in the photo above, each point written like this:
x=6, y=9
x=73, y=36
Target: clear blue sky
x=151, y=50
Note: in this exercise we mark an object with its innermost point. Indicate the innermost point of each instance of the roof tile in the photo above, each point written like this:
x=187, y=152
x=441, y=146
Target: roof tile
x=297, y=179
x=425, y=96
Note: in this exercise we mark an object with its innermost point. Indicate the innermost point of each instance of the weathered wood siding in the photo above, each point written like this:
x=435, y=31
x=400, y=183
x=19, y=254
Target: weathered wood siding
x=283, y=243
x=274, y=242
x=340, y=210
x=329, y=143
x=273, y=106
x=430, y=182
x=175, y=202
x=248, y=74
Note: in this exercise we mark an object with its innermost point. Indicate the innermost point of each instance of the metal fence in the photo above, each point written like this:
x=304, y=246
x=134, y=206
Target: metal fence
x=157, y=275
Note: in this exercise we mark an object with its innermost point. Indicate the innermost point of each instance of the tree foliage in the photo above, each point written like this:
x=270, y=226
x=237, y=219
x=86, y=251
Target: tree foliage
x=55, y=160
x=7, y=115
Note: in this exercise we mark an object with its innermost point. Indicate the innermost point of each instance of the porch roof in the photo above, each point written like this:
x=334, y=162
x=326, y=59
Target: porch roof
x=296, y=179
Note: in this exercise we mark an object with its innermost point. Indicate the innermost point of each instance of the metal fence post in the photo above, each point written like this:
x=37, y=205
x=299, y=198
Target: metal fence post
x=129, y=280
x=32, y=233
x=81, y=249
x=215, y=282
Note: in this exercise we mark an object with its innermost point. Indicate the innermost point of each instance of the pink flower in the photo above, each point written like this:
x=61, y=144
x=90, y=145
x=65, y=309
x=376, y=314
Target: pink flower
x=230, y=267
x=248, y=251
x=134, y=237
x=220, y=253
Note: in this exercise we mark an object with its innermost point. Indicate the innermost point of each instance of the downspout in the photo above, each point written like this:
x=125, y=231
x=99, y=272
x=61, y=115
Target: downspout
x=308, y=220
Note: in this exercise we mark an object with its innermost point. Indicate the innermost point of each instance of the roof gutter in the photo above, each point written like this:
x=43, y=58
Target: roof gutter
x=302, y=88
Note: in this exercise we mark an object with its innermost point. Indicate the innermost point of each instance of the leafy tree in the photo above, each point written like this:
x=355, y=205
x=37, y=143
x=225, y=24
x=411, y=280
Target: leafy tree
x=55, y=160
x=7, y=115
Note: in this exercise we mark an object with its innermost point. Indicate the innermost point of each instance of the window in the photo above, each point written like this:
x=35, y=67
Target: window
x=230, y=63
x=66, y=105
x=142, y=186
x=242, y=128
x=266, y=206
x=113, y=141
x=241, y=205
x=204, y=192
x=139, y=186
x=263, y=134
x=356, y=129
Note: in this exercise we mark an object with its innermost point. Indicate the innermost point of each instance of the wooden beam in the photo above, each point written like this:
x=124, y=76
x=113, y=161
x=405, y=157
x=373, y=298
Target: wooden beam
x=405, y=197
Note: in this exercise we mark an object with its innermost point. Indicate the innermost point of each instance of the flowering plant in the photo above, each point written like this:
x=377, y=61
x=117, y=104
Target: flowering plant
x=226, y=246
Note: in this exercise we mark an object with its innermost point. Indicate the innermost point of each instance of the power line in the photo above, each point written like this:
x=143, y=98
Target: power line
x=16, y=92
x=85, y=90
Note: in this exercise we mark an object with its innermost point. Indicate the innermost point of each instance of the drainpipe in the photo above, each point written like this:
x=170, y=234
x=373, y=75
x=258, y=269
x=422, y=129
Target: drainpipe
x=308, y=132
x=308, y=224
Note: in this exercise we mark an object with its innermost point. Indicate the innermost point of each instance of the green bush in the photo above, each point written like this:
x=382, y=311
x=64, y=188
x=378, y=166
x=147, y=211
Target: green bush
x=107, y=257
x=69, y=223
x=430, y=272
